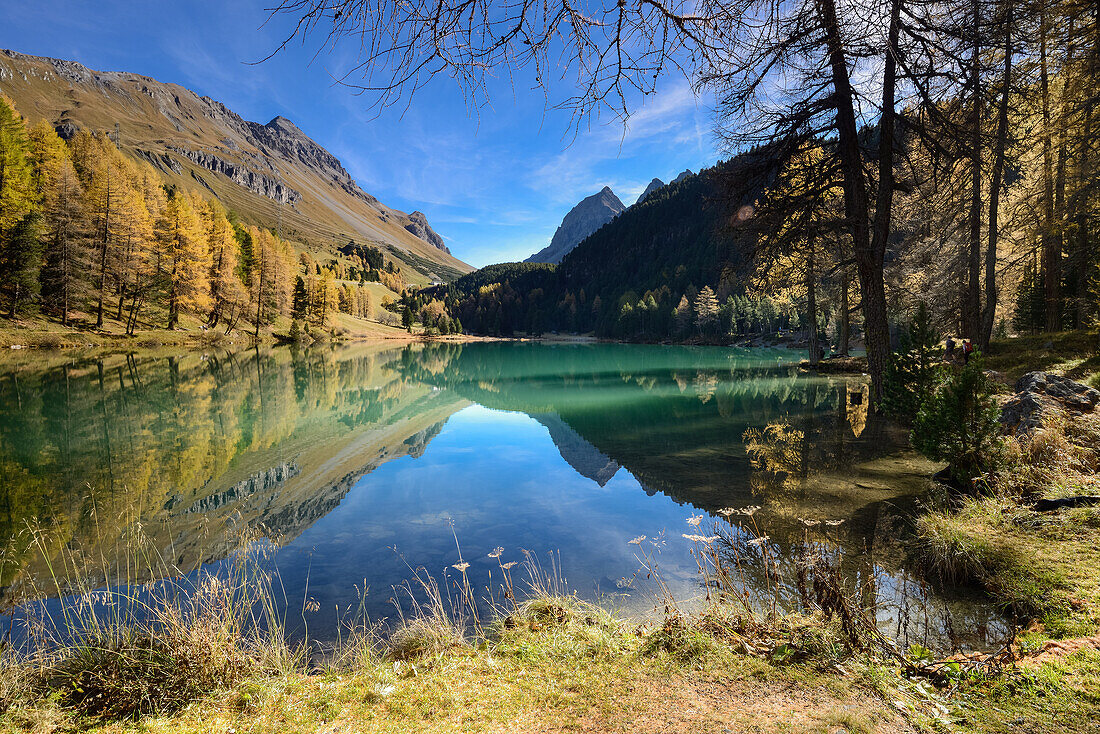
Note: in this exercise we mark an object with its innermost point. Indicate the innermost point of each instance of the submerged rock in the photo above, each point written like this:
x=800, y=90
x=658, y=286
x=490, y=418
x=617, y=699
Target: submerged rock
x=1041, y=395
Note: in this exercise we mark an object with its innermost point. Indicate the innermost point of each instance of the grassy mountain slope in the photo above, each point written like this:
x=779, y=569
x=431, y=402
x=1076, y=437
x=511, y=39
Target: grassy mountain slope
x=272, y=175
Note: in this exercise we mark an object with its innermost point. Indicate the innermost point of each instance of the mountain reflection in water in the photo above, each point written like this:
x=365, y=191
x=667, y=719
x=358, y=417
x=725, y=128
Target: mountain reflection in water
x=356, y=461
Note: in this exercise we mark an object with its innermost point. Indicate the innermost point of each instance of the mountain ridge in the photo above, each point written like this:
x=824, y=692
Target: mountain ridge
x=271, y=174
x=655, y=184
x=581, y=221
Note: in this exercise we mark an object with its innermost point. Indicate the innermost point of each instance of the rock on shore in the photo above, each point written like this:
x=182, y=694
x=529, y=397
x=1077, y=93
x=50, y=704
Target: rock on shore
x=1040, y=395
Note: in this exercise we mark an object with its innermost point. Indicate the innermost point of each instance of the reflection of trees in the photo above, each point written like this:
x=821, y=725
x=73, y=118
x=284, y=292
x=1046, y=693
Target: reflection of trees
x=87, y=447
x=713, y=427
x=788, y=451
x=776, y=451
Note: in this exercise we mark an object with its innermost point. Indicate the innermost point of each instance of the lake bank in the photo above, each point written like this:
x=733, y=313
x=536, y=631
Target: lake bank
x=49, y=335
x=681, y=670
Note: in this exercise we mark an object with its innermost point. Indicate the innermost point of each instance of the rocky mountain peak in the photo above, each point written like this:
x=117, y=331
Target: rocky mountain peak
x=582, y=220
x=418, y=225
x=682, y=176
x=281, y=123
x=653, y=186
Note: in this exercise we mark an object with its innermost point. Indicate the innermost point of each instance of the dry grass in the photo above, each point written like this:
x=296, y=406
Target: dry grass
x=136, y=649
x=193, y=657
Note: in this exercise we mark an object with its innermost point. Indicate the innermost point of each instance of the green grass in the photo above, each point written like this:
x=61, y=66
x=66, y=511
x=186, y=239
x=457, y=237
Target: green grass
x=1076, y=354
x=975, y=545
x=1062, y=695
x=1045, y=568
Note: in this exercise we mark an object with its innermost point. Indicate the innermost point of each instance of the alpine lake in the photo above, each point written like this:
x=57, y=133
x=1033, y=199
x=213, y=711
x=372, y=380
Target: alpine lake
x=358, y=465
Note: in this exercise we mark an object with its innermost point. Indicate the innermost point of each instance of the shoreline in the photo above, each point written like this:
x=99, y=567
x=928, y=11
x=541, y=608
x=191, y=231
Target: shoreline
x=550, y=661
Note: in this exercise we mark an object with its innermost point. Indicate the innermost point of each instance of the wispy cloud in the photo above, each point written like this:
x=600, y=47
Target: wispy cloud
x=495, y=182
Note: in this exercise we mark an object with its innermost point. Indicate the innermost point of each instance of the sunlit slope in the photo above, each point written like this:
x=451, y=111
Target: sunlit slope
x=272, y=175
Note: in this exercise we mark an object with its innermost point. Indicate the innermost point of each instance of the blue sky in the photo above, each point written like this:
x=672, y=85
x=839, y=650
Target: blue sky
x=493, y=182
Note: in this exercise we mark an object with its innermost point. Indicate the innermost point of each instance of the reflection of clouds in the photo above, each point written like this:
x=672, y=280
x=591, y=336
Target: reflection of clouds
x=515, y=493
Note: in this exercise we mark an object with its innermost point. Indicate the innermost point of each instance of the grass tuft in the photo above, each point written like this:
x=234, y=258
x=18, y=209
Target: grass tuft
x=425, y=637
x=971, y=546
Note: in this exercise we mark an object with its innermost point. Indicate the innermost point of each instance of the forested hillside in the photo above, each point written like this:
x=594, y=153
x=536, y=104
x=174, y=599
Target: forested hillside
x=669, y=267
x=90, y=237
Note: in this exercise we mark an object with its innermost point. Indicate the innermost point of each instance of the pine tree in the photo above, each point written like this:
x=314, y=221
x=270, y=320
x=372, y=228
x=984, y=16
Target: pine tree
x=960, y=424
x=1028, y=314
x=706, y=310
x=270, y=279
x=227, y=294
x=683, y=316
x=913, y=371
x=103, y=175
x=300, y=304
x=17, y=195
x=46, y=151
x=345, y=298
x=20, y=261
x=64, y=225
x=65, y=241
x=132, y=264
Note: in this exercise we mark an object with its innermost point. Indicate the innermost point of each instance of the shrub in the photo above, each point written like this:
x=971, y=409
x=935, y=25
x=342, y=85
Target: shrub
x=960, y=423
x=51, y=341
x=912, y=372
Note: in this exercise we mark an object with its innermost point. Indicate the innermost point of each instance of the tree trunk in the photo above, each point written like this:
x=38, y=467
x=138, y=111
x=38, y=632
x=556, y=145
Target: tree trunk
x=856, y=206
x=972, y=306
x=995, y=187
x=103, y=251
x=1051, y=252
x=260, y=295
x=1082, y=206
x=811, y=299
x=845, y=335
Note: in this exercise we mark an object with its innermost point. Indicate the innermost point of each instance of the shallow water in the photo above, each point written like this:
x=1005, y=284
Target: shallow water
x=363, y=463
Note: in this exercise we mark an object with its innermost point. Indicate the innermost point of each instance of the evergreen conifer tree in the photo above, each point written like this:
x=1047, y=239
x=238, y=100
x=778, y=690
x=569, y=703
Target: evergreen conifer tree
x=17, y=195
x=300, y=302
x=20, y=261
x=913, y=371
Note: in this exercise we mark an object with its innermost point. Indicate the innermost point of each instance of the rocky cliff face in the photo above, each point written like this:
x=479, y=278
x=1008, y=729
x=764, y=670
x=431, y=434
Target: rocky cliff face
x=256, y=182
x=418, y=225
x=281, y=138
x=581, y=221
